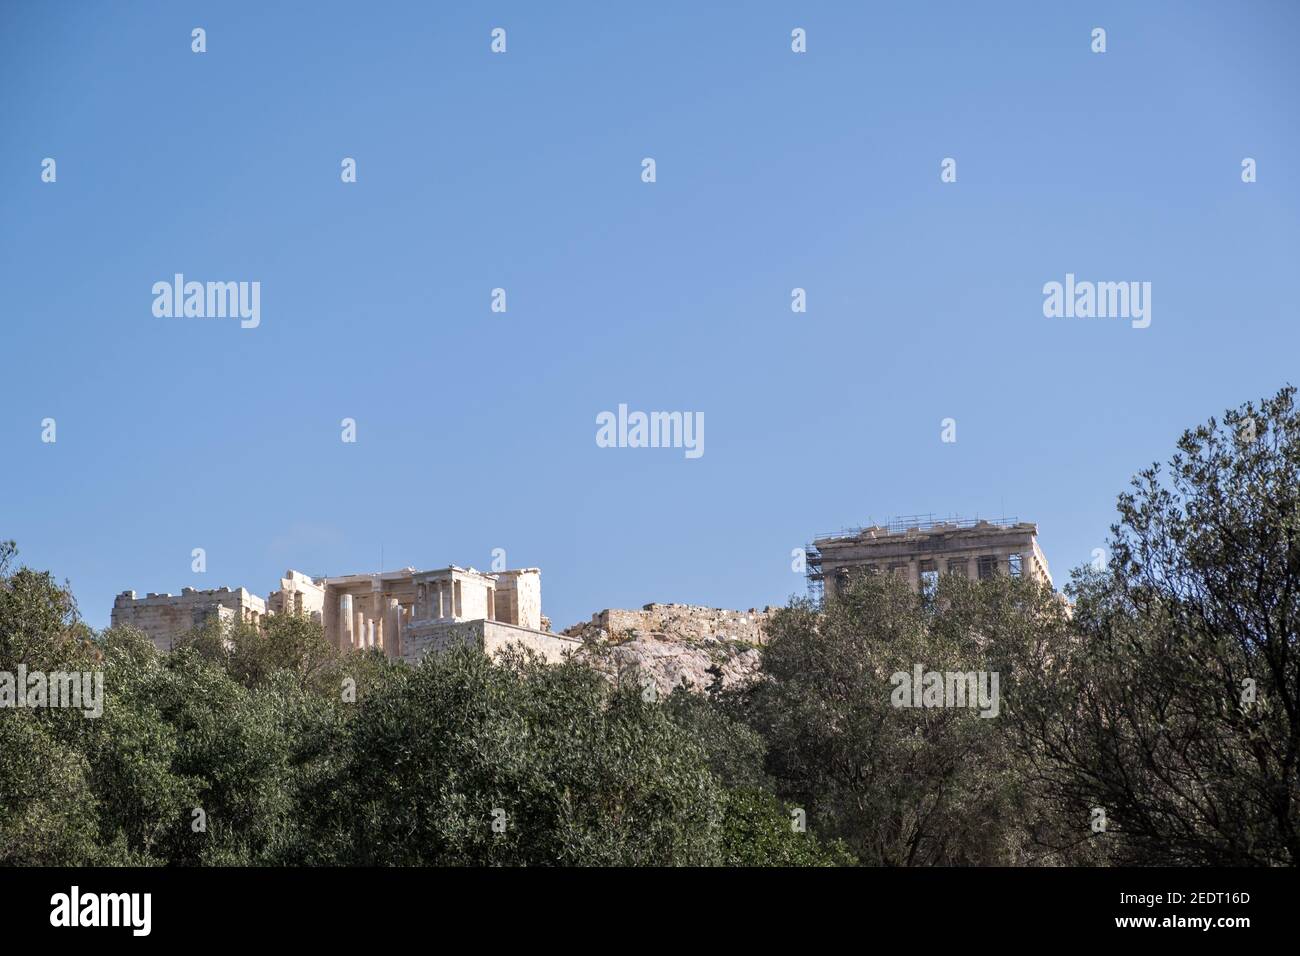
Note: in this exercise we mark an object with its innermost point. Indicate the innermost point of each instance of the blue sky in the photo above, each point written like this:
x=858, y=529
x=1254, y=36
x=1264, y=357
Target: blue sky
x=476, y=430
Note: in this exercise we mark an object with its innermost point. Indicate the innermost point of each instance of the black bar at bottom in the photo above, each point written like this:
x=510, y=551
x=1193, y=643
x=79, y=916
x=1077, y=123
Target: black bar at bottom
x=335, y=905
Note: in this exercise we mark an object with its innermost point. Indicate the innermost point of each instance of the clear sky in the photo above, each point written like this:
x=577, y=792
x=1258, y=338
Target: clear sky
x=775, y=170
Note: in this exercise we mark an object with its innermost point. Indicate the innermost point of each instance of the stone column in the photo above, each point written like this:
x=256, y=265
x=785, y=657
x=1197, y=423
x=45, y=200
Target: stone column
x=347, y=621
x=376, y=612
x=330, y=619
x=393, y=629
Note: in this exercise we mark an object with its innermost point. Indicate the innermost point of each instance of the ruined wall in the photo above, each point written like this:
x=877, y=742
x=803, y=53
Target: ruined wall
x=491, y=637
x=519, y=598
x=298, y=594
x=552, y=647
x=674, y=622
x=165, y=617
x=674, y=644
x=473, y=603
x=434, y=637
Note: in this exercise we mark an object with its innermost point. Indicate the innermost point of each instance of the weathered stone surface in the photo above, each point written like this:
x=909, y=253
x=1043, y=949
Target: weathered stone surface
x=674, y=643
x=490, y=637
x=920, y=552
x=674, y=622
x=164, y=617
x=299, y=594
x=360, y=611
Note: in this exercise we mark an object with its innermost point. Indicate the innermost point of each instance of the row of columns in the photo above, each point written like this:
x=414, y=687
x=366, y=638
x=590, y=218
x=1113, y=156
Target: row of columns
x=377, y=619
x=440, y=599
x=379, y=626
x=911, y=567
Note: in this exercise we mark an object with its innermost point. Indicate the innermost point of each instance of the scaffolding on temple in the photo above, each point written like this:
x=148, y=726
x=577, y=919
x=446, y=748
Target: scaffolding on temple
x=900, y=525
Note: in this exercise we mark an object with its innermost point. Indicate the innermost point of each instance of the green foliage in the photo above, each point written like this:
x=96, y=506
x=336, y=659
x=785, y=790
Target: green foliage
x=1175, y=708
x=900, y=786
x=280, y=644
x=39, y=626
x=758, y=831
x=571, y=771
x=47, y=807
x=735, y=751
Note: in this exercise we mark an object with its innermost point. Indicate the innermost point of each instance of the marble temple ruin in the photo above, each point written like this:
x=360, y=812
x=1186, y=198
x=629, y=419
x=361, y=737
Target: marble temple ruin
x=404, y=614
x=920, y=549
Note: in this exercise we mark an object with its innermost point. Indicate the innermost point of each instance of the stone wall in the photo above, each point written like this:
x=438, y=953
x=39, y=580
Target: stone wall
x=491, y=637
x=519, y=598
x=435, y=637
x=498, y=635
x=472, y=598
x=673, y=622
x=298, y=594
x=165, y=617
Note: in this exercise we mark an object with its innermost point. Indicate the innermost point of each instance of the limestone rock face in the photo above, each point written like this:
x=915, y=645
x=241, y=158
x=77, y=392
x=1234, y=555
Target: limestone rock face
x=672, y=643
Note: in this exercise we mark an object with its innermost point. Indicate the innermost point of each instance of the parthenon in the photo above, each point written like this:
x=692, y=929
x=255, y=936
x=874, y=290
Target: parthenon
x=921, y=549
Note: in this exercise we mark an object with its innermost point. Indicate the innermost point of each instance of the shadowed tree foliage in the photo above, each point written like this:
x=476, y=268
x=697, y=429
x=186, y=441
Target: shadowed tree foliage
x=48, y=807
x=39, y=625
x=758, y=830
x=900, y=786
x=279, y=645
x=1175, y=709
x=465, y=761
x=735, y=751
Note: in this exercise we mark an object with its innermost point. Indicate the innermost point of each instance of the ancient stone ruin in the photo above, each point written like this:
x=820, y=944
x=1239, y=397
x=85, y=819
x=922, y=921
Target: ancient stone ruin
x=674, y=644
x=920, y=550
x=405, y=614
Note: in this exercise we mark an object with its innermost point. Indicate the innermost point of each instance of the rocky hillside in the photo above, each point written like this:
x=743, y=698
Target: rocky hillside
x=672, y=643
